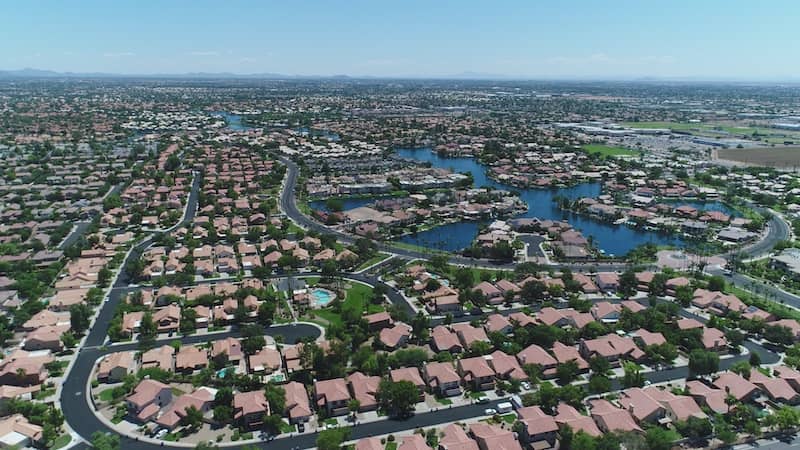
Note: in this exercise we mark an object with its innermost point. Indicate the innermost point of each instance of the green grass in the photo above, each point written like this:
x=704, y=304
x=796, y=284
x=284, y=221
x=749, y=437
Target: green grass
x=106, y=395
x=286, y=428
x=606, y=150
x=416, y=248
x=391, y=446
x=444, y=401
x=333, y=422
x=171, y=437
x=476, y=395
x=293, y=228
x=509, y=418
x=332, y=317
x=374, y=260
x=44, y=393
x=61, y=441
x=311, y=281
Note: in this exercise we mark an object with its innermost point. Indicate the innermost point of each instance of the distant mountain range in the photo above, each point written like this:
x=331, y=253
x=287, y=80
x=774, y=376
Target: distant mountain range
x=51, y=74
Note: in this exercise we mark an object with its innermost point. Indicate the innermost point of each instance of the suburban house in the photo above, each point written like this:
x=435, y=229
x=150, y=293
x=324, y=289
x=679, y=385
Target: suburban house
x=147, y=399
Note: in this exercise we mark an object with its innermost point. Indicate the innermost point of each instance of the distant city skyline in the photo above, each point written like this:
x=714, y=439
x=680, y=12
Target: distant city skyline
x=574, y=39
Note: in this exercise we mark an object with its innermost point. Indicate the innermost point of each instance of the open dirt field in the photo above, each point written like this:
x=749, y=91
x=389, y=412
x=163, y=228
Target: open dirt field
x=778, y=157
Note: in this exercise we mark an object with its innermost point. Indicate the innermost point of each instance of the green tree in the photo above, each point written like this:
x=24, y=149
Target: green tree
x=397, y=399
x=599, y=384
x=193, y=419
x=658, y=438
x=276, y=397
x=633, y=375
x=332, y=439
x=148, y=331
x=567, y=372
x=583, y=441
x=80, y=316
x=105, y=441
x=702, y=362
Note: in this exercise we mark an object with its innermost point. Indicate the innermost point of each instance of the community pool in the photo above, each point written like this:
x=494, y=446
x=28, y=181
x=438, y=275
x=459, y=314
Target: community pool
x=321, y=297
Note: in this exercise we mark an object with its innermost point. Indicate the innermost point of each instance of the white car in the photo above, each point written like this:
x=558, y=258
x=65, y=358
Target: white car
x=161, y=433
x=525, y=385
x=489, y=411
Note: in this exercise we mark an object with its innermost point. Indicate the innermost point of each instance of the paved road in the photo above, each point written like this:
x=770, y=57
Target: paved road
x=288, y=203
x=74, y=235
x=81, y=418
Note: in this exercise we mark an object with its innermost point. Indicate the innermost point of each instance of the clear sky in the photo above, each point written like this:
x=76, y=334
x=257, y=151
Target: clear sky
x=717, y=39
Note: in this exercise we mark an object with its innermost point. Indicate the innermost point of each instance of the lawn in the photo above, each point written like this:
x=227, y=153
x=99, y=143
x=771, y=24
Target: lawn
x=374, y=260
x=391, y=446
x=106, y=395
x=606, y=150
x=61, y=441
x=357, y=297
x=444, y=401
x=286, y=428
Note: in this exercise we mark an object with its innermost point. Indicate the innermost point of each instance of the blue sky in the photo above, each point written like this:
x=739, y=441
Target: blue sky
x=714, y=39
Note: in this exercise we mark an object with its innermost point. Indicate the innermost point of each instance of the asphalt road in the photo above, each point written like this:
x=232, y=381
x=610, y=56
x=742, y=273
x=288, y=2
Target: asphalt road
x=288, y=204
x=81, y=418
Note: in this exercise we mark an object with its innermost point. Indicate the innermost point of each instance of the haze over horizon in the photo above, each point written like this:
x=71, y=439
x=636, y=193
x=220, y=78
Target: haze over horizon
x=577, y=39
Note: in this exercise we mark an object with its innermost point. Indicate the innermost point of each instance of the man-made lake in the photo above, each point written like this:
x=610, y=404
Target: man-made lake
x=613, y=239
x=234, y=120
x=349, y=203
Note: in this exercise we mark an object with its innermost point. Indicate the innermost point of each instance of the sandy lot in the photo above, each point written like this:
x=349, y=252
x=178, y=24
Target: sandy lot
x=779, y=157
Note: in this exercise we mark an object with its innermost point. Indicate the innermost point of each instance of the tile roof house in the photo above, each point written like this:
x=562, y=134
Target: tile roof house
x=538, y=429
x=505, y=366
x=677, y=407
x=160, y=357
x=736, y=385
x=228, y=349
x=17, y=432
x=564, y=353
x=707, y=396
x=567, y=415
x=476, y=373
x=267, y=361
x=364, y=389
x=396, y=336
x=250, y=408
x=410, y=374
x=442, y=378
x=611, y=347
x=201, y=399
x=190, y=358
x=414, y=442
x=298, y=407
x=468, y=334
x=147, y=399
x=23, y=368
x=333, y=395
x=642, y=407
x=455, y=438
x=536, y=355
x=444, y=340
x=370, y=443
x=610, y=418
x=114, y=367
x=498, y=323
x=493, y=437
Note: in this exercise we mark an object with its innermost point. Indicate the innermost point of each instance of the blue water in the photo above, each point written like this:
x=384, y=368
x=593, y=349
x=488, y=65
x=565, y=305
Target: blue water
x=349, y=203
x=321, y=297
x=329, y=135
x=613, y=239
x=234, y=121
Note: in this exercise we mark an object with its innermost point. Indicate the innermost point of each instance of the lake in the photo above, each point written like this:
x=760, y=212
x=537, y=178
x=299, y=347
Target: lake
x=613, y=239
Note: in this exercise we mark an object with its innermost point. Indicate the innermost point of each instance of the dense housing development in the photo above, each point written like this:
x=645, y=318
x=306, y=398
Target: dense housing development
x=434, y=265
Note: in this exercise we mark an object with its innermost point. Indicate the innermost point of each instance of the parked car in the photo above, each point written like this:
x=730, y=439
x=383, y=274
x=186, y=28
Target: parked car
x=489, y=411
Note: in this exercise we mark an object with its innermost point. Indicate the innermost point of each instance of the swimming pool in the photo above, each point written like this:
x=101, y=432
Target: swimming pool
x=321, y=297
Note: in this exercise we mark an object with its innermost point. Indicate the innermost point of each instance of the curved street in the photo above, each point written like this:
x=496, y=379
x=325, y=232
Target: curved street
x=81, y=417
